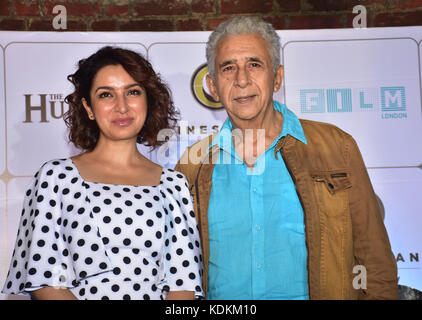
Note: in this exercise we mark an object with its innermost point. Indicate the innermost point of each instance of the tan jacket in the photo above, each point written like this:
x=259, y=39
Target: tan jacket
x=343, y=223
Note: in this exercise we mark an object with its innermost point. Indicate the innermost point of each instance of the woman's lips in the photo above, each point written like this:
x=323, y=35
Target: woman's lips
x=123, y=122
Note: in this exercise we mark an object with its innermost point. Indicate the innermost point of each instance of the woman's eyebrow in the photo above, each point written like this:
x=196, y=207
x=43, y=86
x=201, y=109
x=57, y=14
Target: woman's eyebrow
x=111, y=88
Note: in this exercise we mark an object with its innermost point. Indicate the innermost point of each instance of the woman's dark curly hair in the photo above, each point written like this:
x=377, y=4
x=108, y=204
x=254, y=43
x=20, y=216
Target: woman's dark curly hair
x=161, y=114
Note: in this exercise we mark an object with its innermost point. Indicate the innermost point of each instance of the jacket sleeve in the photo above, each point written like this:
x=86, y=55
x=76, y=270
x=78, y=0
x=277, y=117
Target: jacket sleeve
x=370, y=240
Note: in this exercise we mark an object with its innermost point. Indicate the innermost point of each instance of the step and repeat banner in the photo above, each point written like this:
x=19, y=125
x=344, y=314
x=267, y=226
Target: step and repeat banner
x=366, y=81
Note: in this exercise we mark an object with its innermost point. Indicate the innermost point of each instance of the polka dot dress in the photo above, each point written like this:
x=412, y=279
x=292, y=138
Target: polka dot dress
x=105, y=241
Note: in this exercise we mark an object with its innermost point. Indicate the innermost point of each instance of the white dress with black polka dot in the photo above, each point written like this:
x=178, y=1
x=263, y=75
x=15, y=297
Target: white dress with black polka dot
x=105, y=241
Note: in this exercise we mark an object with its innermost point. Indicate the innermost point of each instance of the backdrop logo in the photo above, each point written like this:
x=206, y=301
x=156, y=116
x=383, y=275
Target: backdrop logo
x=198, y=88
x=391, y=101
x=48, y=105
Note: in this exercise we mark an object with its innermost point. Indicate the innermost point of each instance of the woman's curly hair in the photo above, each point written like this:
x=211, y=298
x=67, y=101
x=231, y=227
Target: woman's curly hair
x=161, y=113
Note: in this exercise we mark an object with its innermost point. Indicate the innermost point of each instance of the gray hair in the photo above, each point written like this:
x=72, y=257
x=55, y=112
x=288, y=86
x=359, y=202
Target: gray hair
x=242, y=25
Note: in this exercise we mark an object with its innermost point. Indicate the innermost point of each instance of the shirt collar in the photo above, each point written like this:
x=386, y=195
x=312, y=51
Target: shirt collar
x=291, y=123
x=291, y=126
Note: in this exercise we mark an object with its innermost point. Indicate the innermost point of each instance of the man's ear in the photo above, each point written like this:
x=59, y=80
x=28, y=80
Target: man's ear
x=88, y=109
x=278, y=78
x=213, y=89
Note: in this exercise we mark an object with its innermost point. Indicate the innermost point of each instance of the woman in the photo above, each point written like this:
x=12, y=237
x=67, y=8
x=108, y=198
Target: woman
x=109, y=223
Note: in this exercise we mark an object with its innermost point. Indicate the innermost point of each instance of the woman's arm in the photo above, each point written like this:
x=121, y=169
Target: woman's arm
x=53, y=293
x=181, y=295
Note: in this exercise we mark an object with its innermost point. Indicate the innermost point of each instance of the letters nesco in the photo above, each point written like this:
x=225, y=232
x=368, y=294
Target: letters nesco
x=182, y=310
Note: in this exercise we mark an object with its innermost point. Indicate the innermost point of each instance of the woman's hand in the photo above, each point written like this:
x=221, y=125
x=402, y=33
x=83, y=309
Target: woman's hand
x=53, y=293
x=181, y=295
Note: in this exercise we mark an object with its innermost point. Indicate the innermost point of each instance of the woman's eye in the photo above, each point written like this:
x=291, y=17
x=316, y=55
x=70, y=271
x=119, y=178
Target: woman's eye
x=134, y=92
x=104, y=94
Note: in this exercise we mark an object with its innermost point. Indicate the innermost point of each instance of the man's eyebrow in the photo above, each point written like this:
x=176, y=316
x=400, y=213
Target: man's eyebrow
x=225, y=63
x=254, y=59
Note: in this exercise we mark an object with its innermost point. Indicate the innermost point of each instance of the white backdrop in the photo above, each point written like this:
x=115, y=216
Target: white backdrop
x=366, y=81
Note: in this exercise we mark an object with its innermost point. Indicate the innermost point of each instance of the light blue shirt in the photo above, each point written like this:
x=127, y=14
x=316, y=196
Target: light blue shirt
x=256, y=223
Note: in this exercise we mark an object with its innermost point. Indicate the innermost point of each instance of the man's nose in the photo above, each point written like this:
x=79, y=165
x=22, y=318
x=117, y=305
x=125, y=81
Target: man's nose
x=242, y=77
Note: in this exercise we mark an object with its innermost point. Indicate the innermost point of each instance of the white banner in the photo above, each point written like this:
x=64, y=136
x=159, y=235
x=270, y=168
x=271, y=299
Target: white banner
x=366, y=81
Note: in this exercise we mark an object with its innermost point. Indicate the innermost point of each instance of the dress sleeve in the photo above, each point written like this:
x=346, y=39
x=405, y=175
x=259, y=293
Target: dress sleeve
x=182, y=249
x=48, y=249
x=39, y=258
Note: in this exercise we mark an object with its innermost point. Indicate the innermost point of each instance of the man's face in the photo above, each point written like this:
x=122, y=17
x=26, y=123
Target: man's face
x=244, y=77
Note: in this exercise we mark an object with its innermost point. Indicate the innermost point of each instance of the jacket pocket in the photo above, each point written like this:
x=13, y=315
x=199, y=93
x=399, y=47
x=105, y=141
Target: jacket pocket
x=333, y=181
x=331, y=190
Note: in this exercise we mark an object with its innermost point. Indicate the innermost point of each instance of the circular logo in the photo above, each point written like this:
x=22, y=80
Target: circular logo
x=198, y=88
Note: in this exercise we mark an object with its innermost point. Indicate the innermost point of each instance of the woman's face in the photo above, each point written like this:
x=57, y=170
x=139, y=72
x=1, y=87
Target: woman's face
x=118, y=104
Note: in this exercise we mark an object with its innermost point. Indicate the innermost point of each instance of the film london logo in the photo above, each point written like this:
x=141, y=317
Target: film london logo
x=199, y=88
x=50, y=106
x=391, y=101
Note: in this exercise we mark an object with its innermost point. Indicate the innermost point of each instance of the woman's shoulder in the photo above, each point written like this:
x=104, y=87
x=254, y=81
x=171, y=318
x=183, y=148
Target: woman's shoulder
x=55, y=167
x=173, y=180
x=171, y=175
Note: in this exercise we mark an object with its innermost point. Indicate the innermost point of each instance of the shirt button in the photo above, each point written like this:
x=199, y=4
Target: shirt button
x=257, y=227
x=258, y=266
x=254, y=189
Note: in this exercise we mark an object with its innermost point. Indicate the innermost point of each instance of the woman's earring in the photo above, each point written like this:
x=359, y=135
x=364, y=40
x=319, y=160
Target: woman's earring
x=91, y=116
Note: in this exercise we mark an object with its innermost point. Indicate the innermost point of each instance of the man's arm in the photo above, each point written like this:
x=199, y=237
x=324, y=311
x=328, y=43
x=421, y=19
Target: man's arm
x=370, y=240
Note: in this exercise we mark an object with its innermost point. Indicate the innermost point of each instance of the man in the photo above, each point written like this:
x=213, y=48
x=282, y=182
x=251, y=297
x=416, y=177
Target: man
x=285, y=206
